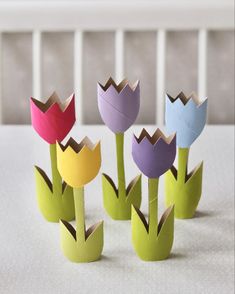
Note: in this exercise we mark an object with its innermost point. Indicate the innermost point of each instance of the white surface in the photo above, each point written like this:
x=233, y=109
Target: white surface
x=30, y=257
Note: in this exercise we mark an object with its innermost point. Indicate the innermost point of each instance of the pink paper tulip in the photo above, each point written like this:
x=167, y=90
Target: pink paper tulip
x=53, y=119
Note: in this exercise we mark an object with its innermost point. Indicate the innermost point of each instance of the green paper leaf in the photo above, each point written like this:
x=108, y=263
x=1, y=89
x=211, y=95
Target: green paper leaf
x=81, y=245
x=185, y=195
x=80, y=250
x=119, y=208
x=133, y=192
x=54, y=205
x=154, y=245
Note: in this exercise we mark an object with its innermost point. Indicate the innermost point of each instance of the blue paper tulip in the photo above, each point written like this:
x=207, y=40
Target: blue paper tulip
x=186, y=116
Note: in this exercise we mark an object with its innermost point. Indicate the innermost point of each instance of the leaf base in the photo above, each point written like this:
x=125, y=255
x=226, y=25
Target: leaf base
x=80, y=250
x=53, y=206
x=185, y=196
x=155, y=245
x=119, y=208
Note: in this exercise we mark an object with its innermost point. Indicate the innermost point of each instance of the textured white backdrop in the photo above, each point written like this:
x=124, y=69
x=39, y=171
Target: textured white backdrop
x=57, y=70
x=99, y=63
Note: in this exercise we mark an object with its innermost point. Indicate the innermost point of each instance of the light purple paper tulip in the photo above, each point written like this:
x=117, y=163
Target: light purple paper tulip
x=118, y=104
x=153, y=155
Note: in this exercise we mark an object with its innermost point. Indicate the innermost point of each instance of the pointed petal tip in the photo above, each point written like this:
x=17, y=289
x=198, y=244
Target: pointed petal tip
x=53, y=101
x=185, y=100
x=77, y=147
x=119, y=87
x=157, y=135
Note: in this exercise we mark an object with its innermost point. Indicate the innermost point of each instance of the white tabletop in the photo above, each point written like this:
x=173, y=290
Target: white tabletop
x=30, y=257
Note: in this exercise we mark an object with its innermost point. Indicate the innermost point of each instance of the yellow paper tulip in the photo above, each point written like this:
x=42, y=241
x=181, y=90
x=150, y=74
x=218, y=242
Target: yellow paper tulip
x=78, y=164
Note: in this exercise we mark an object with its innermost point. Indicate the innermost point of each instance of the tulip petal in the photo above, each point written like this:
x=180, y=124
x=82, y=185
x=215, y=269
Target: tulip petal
x=117, y=121
x=118, y=105
x=153, y=158
x=53, y=124
x=78, y=168
x=187, y=120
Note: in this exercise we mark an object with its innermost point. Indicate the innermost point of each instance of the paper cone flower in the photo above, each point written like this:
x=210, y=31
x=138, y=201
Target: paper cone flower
x=79, y=164
x=119, y=106
x=53, y=120
x=187, y=117
x=153, y=155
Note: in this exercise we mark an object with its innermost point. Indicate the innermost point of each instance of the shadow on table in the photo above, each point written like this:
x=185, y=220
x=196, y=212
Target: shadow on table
x=205, y=213
x=177, y=255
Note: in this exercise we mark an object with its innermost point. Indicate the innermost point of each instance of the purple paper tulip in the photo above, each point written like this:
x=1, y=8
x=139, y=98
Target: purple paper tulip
x=154, y=155
x=118, y=104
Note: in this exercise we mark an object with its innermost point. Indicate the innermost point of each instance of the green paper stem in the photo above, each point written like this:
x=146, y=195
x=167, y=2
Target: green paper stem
x=80, y=245
x=118, y=199
x=55, y=200
x=56, y=178
x=152, y=242
x=183, y=154
x=120, y=166
x=79, y=213
x=153, y=205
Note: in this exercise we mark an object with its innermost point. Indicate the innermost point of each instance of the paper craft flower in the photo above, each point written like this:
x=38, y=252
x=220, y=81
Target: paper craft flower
x=187, y=117
x=78, y=164
x=118, y=104
x=53, y=120
x=153, y=155
x=119, y=107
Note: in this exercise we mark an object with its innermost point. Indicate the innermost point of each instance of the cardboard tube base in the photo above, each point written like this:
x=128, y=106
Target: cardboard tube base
x=53, y=206
x=152, y=245
x=119, y=208
x=80, y=250
x=185, y=196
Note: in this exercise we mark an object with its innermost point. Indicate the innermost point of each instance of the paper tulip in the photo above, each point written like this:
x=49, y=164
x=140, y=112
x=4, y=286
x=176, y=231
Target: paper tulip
x=154, y=155
x=119, y=104
x=119, y=107
x=79, y=164
x=187, y=117
x=53, y=120
x=83, y=157
x=148, y=150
